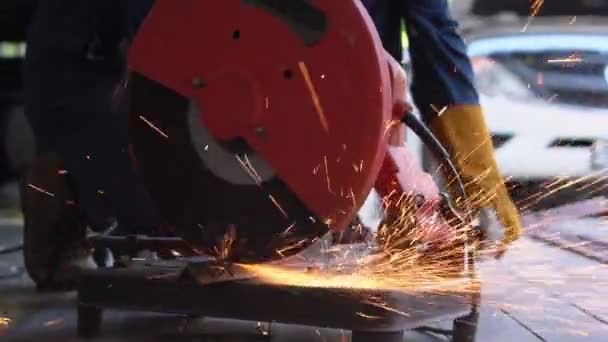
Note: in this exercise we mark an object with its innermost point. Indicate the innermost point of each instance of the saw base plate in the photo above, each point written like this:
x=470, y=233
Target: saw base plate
x=165, y=290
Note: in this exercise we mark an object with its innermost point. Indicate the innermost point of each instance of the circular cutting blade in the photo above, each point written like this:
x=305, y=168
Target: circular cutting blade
x=205, y=187
x=258, y=125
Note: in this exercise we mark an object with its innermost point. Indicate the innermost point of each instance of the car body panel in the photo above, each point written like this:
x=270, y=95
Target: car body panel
x=542, y=139
x=536, y=127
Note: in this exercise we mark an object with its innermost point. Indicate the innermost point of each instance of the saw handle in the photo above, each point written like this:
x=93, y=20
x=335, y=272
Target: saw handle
x=402, y=110
x=431, y=141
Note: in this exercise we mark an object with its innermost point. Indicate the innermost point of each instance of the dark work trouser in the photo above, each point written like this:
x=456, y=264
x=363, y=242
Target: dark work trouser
x=442, y=72
x=73, y=111
x=72, y=70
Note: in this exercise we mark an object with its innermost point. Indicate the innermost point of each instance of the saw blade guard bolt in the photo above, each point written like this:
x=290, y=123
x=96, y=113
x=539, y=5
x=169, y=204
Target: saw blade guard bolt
x=197, y=82
x=419, y=200
x=260, y=131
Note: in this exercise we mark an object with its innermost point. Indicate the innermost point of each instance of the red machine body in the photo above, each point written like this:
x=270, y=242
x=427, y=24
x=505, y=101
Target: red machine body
x=298, y=106
x=304, y=84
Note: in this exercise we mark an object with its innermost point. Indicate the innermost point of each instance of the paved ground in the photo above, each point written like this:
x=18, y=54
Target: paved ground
x=536, y=292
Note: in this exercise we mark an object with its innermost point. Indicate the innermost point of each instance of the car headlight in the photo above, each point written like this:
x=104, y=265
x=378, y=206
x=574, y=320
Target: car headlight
x=599, y=155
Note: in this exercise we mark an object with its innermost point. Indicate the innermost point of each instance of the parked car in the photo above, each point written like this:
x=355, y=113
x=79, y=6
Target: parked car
x=545, y=94
x=545, y=97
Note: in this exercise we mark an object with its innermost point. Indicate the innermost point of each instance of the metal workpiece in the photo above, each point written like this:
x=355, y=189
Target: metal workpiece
x=163, y=290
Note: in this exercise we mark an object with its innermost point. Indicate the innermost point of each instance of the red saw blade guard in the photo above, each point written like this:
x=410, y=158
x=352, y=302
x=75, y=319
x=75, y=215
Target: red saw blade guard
x=304, y=83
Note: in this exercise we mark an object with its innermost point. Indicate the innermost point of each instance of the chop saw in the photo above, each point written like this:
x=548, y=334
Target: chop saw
x=267, y=119
x=259, y=126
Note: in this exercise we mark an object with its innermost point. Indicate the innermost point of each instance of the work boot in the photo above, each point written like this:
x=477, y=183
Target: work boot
x=462, y=130
x=54, y=230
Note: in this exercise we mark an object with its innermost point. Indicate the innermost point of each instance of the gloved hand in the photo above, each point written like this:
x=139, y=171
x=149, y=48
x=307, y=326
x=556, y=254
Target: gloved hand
x=462, y=130
x=429, y=229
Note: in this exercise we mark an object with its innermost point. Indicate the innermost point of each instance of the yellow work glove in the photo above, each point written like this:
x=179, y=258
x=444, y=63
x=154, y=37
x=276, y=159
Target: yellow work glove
x=462, y=130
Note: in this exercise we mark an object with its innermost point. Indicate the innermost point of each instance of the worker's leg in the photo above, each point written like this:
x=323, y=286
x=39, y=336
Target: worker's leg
x=443, y=90
x=442, y=72
x=81, y=124
x=75, y=120
x=73, y=65
x=103, y=172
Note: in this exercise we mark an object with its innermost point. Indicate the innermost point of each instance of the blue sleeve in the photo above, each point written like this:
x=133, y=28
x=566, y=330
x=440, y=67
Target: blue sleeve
x=442, y=71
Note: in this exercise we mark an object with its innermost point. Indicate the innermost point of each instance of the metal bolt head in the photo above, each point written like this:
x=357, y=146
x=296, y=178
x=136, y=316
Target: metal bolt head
x=260, y=131
x=197, y=82
x=419, y=200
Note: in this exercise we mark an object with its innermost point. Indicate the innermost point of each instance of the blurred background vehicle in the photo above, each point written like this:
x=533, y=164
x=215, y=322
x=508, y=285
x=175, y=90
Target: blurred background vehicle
x=17, y=140
x=543, y=83
x=545, y=94
x=525, y=7
x=14, y=16
x=17, y=147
